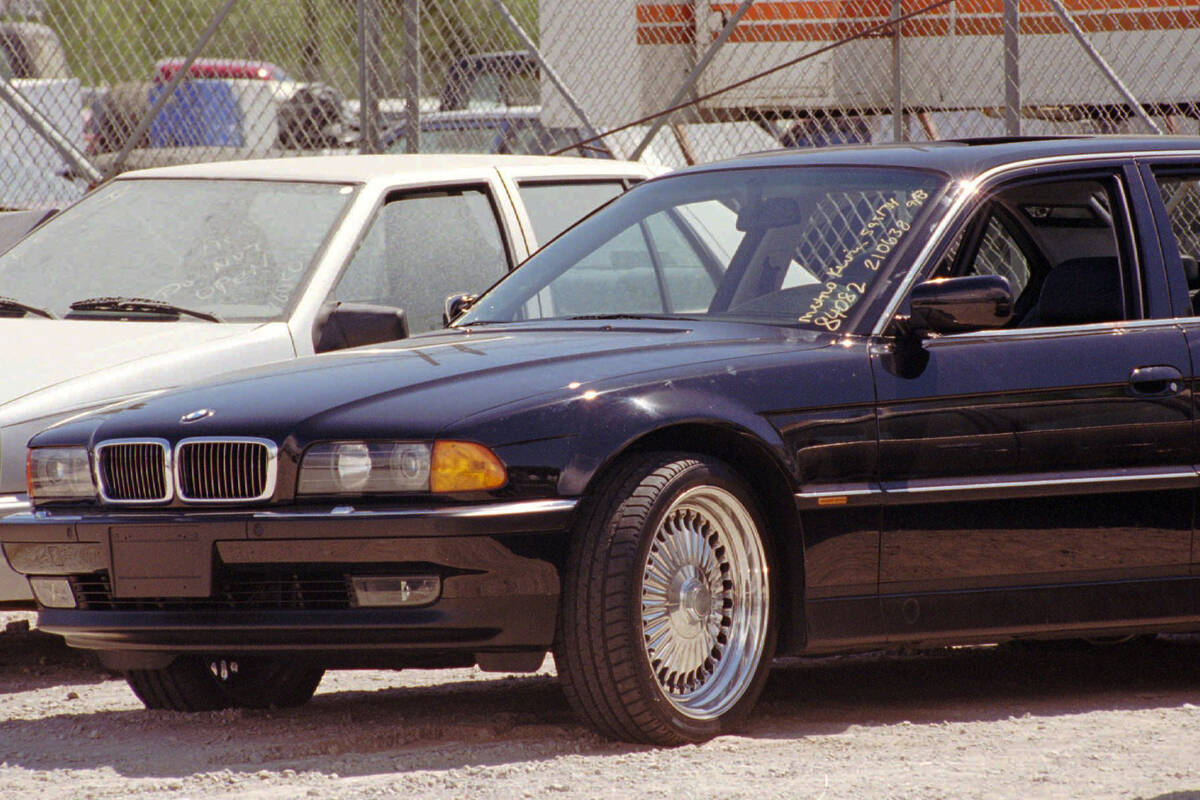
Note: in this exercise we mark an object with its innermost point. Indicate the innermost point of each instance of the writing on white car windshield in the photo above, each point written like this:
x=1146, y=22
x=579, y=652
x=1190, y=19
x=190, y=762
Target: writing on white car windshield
x=225, y=249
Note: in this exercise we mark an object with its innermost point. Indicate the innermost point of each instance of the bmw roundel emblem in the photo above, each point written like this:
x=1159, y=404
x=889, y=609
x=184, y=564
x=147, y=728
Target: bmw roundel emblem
x=196, y=416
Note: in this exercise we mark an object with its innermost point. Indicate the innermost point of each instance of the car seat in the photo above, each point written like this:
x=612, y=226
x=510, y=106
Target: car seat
x=1079, y=291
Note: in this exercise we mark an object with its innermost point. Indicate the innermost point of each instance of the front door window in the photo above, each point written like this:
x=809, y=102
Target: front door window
x=421, y=248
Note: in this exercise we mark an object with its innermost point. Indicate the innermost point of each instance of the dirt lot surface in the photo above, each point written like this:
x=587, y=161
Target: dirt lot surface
x=1067, y=721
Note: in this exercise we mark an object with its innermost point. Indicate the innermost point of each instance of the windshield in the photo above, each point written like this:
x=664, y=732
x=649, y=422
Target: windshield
x=234, y=249
x=785, y=245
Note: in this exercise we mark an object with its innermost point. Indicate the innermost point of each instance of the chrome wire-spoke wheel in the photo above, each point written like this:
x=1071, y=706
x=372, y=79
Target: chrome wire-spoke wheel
x=705, y=602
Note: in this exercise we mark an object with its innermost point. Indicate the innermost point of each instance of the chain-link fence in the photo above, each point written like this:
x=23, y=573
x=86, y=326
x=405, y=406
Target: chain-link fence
x=92, y=87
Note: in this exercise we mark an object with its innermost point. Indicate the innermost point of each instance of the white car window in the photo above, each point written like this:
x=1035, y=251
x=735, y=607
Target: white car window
x=422, y=247
x=554, y=207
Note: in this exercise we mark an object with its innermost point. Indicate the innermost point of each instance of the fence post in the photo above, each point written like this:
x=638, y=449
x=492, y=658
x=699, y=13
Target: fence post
x=899, y=129
x=1012, y=68
x=412, y=76
x=368, y=76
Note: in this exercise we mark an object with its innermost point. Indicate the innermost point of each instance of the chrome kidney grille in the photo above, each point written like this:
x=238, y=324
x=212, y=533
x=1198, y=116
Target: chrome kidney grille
x=225, y=469
x=134, y=471
x=199, y=470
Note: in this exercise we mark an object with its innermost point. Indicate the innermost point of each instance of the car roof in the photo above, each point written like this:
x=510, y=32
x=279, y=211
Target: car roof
x=482, y=114
x=363, y=168
x=961, y=158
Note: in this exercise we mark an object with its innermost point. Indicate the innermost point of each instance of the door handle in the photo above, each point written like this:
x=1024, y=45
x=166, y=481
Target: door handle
x=1159, y=381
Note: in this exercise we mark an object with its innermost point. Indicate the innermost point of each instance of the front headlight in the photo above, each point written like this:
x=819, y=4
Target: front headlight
x=398, y=467
x=59, y=473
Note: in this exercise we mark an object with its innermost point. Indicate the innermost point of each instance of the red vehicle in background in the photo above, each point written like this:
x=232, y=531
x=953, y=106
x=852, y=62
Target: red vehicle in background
x=229, y=68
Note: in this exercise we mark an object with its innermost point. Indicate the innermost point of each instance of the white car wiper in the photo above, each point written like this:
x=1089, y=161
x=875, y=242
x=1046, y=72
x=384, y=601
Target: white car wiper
x=139, y=305
x=14, y=308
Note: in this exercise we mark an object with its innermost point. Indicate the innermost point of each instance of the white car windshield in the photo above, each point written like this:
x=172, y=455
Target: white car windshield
x=789, y=245
x=230, y=249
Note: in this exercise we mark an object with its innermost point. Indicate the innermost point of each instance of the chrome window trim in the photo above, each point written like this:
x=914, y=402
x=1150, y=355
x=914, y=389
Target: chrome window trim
x=969, y=187
x=272, y=468
x=168, y=471
x=1059, y=330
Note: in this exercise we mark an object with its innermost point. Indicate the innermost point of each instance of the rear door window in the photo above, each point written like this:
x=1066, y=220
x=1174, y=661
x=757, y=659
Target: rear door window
x=555, y=206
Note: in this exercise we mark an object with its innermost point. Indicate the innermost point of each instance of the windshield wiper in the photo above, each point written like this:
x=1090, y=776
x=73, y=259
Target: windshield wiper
x=139, y=304
x=10, y=308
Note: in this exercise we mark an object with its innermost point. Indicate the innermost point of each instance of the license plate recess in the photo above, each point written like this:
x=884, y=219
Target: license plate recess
x=162, y=560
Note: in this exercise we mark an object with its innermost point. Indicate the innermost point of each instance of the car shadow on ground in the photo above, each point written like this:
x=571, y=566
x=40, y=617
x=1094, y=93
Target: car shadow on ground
x=30, y=659
x=973, y=684
x=490, y=722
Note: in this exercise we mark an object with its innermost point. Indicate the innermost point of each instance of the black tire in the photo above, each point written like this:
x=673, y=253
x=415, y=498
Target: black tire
x=203, y=683
x=615, y=626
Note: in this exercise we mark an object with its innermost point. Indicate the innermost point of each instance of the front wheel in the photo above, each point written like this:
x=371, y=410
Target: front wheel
x=667, y=625
x=209, y=683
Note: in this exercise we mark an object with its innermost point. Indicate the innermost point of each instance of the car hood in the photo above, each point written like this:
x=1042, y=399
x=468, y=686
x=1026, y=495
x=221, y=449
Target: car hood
x=422, y=385
x=41, y=353
x=57, y=368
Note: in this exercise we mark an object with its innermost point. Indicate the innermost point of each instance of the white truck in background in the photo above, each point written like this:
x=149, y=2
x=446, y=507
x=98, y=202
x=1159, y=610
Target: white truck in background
x=32, y=173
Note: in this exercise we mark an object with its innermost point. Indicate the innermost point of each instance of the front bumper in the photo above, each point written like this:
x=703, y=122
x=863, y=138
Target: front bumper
x=271, y=581
x=14, y=589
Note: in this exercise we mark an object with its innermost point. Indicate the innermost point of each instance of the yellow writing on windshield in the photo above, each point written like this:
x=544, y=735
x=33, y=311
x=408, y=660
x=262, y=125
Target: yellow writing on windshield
x=877, y=238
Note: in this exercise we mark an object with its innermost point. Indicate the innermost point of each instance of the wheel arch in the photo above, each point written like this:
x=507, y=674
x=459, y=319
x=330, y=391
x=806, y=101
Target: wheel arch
x=768, y=478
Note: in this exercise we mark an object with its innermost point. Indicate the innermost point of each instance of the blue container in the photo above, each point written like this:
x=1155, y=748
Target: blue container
x=200, y=113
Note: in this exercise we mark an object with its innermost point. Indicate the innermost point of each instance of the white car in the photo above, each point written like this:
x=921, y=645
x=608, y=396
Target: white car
x=166, y=276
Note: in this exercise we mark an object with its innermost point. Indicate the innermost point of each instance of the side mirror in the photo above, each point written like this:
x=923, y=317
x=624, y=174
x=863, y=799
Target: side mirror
x=342, y=325
x=956, y=305
x=456, y=304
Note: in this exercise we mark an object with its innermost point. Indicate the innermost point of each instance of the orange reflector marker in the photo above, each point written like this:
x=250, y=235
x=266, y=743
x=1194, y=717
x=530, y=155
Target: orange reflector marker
x=840, y=500
x=464, y=467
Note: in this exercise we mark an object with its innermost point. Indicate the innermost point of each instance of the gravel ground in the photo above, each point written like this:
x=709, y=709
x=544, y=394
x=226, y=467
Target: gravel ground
x=1057, y=721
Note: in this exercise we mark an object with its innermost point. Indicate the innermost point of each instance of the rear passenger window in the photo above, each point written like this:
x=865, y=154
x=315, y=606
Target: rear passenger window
x=554, y=207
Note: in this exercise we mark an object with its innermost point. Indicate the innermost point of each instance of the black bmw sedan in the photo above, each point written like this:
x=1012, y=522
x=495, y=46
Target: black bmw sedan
x=793, y=403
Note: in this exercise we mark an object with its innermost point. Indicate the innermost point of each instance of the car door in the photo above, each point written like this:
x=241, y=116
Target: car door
x=1040, y=475
x=1174, y=192
x=427, y=243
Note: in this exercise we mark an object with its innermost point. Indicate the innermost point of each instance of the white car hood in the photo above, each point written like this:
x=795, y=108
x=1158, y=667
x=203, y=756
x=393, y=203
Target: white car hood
x=51, y=369
x=39, y=353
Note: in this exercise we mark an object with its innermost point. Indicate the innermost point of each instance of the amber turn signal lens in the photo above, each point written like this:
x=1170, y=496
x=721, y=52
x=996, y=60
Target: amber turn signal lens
x=464, y=467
